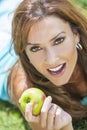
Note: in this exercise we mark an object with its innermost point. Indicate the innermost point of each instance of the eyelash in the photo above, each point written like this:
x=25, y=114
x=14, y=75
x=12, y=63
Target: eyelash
x=56, y=42
x=59, y=40
x=35, y=48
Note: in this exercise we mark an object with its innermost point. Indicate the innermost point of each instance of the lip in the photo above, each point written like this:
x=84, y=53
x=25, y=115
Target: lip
x=58, y=70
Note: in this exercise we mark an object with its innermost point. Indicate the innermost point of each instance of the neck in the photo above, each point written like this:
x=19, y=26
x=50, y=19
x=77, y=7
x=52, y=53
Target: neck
x=79, y=80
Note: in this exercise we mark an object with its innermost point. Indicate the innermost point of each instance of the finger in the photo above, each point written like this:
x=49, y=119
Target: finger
x=46, y=104
x=28, y=114
x=57, y=124
x=51, y=116
x=44, y=111
x=62, y=118
x=66, y=118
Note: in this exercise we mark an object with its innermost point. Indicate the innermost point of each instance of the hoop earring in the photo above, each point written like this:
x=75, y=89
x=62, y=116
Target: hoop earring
x=79, y=46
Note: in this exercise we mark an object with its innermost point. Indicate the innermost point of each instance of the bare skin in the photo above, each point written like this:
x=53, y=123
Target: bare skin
x=45, y=121
x=56, y=63
x=55, y=51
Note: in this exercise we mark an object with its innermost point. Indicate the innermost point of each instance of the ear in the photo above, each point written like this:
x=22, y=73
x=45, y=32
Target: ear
x=77, y=37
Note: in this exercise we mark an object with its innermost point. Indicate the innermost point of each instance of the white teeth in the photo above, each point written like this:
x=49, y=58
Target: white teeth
x=57, y=68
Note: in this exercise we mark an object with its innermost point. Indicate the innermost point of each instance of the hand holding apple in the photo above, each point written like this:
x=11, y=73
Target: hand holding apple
x=36, y=97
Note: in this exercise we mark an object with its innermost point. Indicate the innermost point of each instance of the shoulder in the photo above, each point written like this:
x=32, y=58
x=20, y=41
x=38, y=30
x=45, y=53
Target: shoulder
x=18, y=82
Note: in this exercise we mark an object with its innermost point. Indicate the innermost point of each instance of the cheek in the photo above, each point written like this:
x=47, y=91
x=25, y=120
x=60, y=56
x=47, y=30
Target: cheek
x=70, y=50
x=73, y=50
x=71, y=55
x=34, y=61
x=37, y=61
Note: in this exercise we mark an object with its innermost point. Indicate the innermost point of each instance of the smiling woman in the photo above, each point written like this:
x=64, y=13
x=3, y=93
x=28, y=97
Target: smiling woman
x=55, y=62
x=50, y=37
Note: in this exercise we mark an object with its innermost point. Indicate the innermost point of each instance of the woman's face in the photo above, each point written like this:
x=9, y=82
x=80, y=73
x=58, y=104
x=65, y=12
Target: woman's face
x=52, y=50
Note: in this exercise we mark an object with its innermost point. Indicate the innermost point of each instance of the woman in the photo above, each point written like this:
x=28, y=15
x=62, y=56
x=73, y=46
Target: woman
x=50, y=37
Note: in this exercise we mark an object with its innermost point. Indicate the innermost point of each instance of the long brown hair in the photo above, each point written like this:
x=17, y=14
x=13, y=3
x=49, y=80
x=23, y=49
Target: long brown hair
x=32, y=11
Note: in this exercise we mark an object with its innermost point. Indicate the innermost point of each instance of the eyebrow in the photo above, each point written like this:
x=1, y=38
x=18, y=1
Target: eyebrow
x=37, y=44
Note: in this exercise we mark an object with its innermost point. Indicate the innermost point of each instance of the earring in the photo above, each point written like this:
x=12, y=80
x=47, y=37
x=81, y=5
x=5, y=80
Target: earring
x=79, y=46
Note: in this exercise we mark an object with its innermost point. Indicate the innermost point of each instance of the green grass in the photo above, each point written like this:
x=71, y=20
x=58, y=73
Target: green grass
x=80, y=124
x=11, y=119
x=81, y=6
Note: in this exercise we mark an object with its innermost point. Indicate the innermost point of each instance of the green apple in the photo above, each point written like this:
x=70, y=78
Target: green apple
x=36, y=97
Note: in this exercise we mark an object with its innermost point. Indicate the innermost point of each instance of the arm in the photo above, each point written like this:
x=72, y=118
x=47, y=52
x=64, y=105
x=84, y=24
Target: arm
x=18, y=84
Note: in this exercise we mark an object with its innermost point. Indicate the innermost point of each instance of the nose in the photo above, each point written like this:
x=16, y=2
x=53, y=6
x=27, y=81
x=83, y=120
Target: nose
x=51, y=56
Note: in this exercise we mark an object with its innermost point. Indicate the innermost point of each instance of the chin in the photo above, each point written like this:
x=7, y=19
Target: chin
x=61, y=83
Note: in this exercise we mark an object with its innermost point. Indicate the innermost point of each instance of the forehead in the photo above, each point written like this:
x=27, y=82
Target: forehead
x=47, y=28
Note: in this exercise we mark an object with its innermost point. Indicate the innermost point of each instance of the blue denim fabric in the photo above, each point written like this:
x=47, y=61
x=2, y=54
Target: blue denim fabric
x=7, y=55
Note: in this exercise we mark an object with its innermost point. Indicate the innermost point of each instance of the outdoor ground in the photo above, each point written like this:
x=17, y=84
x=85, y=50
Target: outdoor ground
x=11, y=119
x=10, y=116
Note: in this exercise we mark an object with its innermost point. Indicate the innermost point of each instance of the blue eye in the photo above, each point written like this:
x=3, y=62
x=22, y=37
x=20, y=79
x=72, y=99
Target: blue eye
x=59, y=40
x=35, y=48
